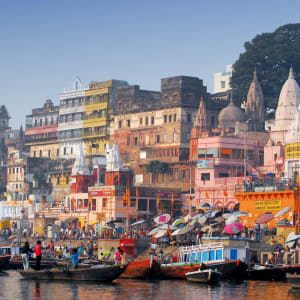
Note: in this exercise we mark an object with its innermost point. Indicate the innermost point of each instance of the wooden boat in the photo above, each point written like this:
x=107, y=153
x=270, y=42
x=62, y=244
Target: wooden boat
x=16, y=263
x=293, y=280
x=143, y=269
x=272, y=272
x=214, y=255
x=97, y=273
x=203, y=276
x=4, y=261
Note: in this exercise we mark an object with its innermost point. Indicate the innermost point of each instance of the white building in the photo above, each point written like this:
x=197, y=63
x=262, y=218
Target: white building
x=222, y=80
x=71, y=120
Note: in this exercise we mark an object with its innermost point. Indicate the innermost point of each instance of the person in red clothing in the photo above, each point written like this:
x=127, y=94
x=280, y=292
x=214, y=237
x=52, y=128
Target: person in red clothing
x=38, y=255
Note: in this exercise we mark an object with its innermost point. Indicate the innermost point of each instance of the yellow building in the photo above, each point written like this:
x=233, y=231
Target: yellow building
x=98, y=105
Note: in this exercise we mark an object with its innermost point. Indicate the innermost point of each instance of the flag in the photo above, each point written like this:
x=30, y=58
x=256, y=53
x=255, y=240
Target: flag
x=112, y=192
x=225, y=193
x=206, y=195
x=29, y=201
x=124, y=197
x=172, y=199
x=73, y=200
x=127, y=192
x=15, y=202
x=137, y=194
x=43, y=201
x=90, y=200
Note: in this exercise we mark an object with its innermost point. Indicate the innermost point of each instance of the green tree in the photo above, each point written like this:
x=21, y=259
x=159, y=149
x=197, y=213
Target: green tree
x=273, y=54
x=157, y=167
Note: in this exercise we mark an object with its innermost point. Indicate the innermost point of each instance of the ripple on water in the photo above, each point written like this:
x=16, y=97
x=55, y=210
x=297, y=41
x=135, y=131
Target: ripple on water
x=13, y=287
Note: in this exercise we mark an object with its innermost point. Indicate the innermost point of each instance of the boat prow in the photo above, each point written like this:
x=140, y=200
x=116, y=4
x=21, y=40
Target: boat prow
x=203, y=276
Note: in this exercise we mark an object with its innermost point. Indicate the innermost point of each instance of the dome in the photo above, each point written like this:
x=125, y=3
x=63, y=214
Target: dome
x=230, y=114
x=289, y=100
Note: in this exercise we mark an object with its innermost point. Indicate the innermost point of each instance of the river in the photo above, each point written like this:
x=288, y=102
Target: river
x=13, y=287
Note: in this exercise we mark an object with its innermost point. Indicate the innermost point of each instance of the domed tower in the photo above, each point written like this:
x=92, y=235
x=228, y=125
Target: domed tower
x=230, y=115
x=255, y=105
x=288, y=103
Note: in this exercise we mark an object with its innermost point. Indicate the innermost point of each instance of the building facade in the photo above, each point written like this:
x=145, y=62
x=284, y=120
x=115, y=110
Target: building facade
x=222, y=80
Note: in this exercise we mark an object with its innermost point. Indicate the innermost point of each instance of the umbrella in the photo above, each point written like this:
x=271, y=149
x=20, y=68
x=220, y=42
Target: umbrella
x=183, y=230
x=292, y=237
x=160, y=233
x=177, y=222
x=240, y=214
x=202, y=220
x=138, y=222
x=283, y=211
x=193, y=222
x=264, y=218
x=233, y=228
x=232, y=219
x=186, y=218
x=154, y=230
x=216, y=213
x=205, y=228
x=166, y=227
x=197, y=216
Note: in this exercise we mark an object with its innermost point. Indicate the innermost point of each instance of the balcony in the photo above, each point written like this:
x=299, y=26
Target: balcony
x=266, y=185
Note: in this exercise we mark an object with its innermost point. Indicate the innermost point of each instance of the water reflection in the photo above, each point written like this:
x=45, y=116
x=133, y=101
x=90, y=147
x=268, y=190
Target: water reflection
x=12, y=286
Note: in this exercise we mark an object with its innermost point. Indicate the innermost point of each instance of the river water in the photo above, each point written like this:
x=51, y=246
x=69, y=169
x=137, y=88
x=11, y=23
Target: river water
x=13, y=287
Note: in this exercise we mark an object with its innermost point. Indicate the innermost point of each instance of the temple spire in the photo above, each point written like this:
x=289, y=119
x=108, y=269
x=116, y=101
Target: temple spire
x=291, y=74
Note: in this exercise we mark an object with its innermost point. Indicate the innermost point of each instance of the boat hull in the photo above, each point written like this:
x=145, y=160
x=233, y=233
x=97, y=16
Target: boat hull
x=97, y=274
x=276, y=273
x=4, y=261
x=293, y=280
x=229, y=269
x=203, y=276
x=143, y=269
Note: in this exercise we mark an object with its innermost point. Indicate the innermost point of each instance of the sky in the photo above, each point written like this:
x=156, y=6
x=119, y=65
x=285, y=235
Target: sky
x=45, y=45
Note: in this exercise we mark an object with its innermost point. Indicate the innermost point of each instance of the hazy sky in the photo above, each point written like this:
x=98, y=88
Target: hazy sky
x=46, y=44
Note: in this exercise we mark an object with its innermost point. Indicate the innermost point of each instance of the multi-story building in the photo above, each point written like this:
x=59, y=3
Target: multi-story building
x=41, y=131
x=99, y=104
x=222, y=80
x=151, y=126
x=70, y=124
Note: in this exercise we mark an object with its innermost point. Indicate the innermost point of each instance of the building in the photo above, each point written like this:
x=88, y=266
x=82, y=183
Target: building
x=70, y=124
x=153, y=129
x=99, y=104
x=41, y=131
x=222, y=80
x=288, y=103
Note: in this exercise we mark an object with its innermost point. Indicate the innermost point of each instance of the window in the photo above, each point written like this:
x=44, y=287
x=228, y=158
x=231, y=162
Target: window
x=158, y=139
x=65, y=150
x=183, y=174
x=71, y=150
x=174, y=137
x=165, y=138
x=127, y=157
x=142, y=205
x=135, y=141
x=189, y=118
x=120, y=124
x=128, y=123
x=104, y=201
x=57, y=180
x=34, y=153
x=146, y=121
x=152, y=120
x=170, y=118
x=226, y=153
x=201, y=153
x=41, y=122
x=212, y=121
x=174, y=118
x=223, y=84
x=223, y=175
x=141, y=121
x=128, y=141
x=165, y=118
x=94, y=205
x=67, y=179
x=57, y=152
x=205, y=176
x=49, y=153
x=41, y=153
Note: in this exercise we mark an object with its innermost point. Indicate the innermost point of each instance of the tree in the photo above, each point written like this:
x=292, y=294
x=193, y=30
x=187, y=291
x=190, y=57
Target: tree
x=157, y=167
x=273, y=54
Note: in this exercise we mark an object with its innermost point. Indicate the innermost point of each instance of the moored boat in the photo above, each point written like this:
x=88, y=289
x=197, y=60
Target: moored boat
x=143, y=269
x=216, y=256
x=203, y=276
x=97, y=273
x=4, y=261
x=293, y=280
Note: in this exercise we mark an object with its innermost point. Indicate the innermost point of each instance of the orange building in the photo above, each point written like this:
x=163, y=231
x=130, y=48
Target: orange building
x=269, y=196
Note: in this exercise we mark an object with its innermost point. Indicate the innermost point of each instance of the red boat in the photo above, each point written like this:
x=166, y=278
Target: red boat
x=143, y=269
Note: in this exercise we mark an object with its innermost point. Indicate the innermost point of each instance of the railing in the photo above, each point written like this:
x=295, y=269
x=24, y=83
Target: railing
x=265, y=185
x=197, y=248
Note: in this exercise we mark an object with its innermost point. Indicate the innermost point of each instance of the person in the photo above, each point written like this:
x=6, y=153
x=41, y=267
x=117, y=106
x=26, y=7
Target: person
x=90, y=250
x=51, y=246
x=75, y=256
x=200, y=237
x=118, y=256
x=25, y=255
x=80, y=249
x=38, y=255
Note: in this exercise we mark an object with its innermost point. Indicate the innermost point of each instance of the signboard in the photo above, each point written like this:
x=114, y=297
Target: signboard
x=267, y=205
x=205, y=164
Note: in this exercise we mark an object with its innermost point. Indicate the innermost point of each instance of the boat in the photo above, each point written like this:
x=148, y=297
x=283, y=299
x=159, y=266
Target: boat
x=272, y=272
x=143, y=269
x=16, y=263
x=224, y=259
x=97, y=273
x=204, y=276
x=4, y=261
x=293, y=280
